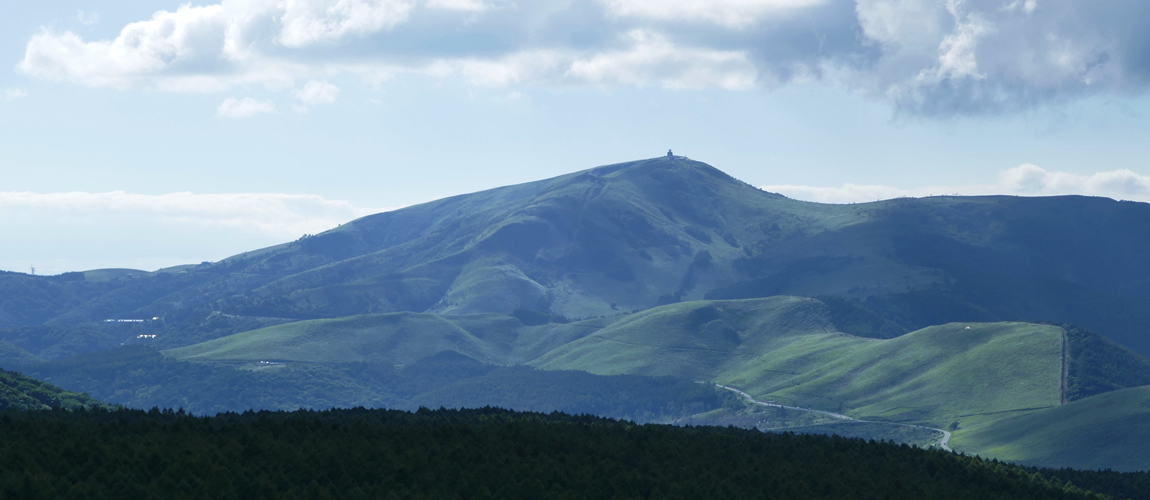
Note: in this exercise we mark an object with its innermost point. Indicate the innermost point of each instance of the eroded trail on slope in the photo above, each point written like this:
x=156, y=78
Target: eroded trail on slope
x=942, y=443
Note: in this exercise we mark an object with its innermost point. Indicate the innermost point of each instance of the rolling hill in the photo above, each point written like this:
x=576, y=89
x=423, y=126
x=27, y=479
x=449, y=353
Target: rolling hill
x=928, y=376
x=19, y=392
x=1107, y=431
x=785, y=349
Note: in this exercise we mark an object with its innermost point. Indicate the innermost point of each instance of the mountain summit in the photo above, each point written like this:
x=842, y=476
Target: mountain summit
x=619, y=237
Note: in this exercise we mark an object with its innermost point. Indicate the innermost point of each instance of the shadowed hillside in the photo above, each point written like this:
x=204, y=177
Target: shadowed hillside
x=1108, y=431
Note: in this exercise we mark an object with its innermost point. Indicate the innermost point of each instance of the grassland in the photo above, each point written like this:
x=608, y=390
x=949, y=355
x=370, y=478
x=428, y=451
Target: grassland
x=1107, y=431
x=784, y=349
x=777, y=348
x=394, y=338
x=932, y=375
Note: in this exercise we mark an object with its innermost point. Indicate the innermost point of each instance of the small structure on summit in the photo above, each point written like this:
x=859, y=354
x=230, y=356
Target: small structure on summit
x=670, y=154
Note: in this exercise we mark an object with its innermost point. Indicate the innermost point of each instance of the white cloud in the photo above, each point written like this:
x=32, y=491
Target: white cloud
x=60, y=232
x=1031, y=179
x=88, y=18
x=12, y=94
x=160, y=47
x=314, y=93
x=1028, y=6
x=1023, y=180
x=244, y=108
x=306, y=22
x=207, y=48
x=654, y=59
x=733, y=13
x=648, y=59
x=459, y=5
x=979, y=56
x=929, y=57
x=956, y=57
x=847, y=193
x=284, y=215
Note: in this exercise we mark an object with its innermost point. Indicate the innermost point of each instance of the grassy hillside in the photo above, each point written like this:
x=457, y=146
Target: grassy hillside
x=784, y=349
x=18, y=392
x=1107, y=431
x=932, y=375
x=777, y=348
x=139, y=377
x=394, y=338
x=701, y=339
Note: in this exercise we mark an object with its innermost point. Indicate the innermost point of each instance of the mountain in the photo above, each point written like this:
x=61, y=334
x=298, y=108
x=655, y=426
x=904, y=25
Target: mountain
x=635, y=235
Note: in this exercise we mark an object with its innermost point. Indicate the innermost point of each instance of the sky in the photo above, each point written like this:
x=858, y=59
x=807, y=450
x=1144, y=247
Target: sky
x=150, y=133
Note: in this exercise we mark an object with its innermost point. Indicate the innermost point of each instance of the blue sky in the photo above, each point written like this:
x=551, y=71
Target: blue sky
x=149, y=133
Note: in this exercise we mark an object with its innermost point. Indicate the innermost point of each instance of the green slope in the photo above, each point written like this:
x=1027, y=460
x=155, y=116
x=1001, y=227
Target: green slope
x=703, y=339
x=777, y=348
x=19, y=392
x=932, y=375
x=784, y=349
x=1107, y=431
x=394, y=338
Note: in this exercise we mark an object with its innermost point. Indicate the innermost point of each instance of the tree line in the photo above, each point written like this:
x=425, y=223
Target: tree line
x=480, y=453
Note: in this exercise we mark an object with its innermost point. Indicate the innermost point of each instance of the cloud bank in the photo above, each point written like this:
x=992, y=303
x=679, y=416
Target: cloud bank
x=285, y=216
x=925, y=57
x=1023, y=180
x=75, y=231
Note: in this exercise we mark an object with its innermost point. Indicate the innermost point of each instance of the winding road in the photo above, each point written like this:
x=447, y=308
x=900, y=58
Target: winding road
x=942, y=443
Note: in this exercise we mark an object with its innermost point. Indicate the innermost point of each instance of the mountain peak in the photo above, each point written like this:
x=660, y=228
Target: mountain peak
x=661, y=167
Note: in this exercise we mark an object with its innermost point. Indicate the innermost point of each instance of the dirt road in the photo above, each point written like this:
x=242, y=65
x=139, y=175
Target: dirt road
x=942, y=443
